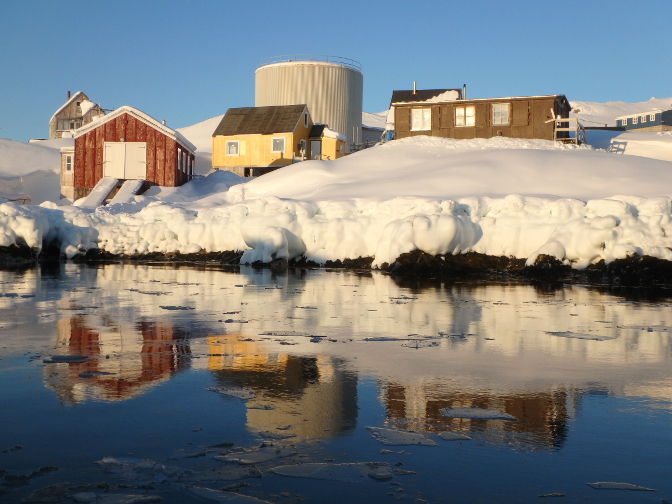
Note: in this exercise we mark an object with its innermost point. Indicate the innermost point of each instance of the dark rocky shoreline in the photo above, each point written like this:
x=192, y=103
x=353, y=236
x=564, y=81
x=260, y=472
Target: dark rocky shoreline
x=634, y=271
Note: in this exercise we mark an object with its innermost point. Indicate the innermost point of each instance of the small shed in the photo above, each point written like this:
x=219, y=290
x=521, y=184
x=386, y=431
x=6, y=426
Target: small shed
x=654, y=120
x=127, y=144
x=77, y=111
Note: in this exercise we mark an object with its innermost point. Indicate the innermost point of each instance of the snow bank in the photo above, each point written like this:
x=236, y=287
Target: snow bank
x=647, y=144
x=200, y=134
x=31, y=169
x=496, y=196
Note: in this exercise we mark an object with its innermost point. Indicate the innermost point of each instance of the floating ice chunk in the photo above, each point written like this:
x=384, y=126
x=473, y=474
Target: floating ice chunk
x=476, y=414
x=276, y=435
x=227, y=497
x=583, y=336
x=224, y=473
x=399, y=438
x=257, y=456
x=70, y=359
x=238, y=392
x=453, y=436
x=612, y=485
x=348, y=472
x=127, y=499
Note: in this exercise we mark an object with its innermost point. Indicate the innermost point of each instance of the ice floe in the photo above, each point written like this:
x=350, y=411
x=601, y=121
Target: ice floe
x=476, y=414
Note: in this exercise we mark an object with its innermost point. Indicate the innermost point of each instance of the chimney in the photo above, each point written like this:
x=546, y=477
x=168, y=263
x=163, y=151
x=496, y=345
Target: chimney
x=464, y=91
x=414, y=87
x=68, y=96
x=163, y=121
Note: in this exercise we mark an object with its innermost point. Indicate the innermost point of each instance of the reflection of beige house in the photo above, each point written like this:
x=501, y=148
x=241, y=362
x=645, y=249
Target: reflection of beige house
x=77, y=111
x=252, y=141
x=313, y=395
x=542, y=416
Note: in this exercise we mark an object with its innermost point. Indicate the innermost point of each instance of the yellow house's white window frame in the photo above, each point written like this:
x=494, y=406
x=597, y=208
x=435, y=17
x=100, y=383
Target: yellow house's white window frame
x=500, y=114
x=421, y=119
x=465, y=116
x=277, y=149
x=232, y=145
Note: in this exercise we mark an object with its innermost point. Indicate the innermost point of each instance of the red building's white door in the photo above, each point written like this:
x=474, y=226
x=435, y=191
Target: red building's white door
x=125, y=160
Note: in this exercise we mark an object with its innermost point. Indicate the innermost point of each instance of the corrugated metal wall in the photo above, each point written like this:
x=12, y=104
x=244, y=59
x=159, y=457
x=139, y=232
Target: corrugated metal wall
x=332, y=92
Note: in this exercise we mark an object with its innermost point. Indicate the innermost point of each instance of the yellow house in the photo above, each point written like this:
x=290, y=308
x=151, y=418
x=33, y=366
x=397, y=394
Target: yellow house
x=252, y=141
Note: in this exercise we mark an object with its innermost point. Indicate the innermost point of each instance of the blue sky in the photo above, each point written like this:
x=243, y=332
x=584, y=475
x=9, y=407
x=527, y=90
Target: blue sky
x=186, y=61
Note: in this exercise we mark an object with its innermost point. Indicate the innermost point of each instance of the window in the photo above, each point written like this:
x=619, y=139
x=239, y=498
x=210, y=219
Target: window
x=278, y=145
x=500, y=113
x=465, y=116
x=232, y=148
x=302, y=147
x=635, y=120
x=624, y=122
x=68, y=163
x=305, y=120
x=421, y=119
x=642, y=119
x=652, y=117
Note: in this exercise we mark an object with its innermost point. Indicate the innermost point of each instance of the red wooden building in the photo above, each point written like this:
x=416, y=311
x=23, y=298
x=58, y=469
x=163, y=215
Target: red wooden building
x=127, y=144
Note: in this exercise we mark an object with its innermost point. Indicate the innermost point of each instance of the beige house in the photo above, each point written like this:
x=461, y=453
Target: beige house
x=77, y=111
x=252, y=141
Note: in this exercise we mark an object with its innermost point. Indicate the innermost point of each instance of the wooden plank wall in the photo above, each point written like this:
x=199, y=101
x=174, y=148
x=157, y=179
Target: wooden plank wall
x=162, y=166
x=527, y=119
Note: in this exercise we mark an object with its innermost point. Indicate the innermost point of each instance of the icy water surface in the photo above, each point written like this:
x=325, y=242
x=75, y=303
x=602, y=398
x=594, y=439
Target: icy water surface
x=318, y=386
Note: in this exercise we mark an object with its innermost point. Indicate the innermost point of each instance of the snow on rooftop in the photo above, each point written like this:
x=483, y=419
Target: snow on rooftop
x=374, y=120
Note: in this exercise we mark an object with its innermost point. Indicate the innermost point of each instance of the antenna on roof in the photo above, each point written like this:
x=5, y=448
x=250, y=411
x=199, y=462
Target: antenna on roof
x=414, y=87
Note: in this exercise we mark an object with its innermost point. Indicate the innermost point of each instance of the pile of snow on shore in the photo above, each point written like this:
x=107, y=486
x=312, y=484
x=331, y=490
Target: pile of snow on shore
x=497, y=196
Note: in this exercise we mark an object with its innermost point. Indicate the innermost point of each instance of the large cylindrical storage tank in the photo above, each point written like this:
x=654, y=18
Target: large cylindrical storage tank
x=331, y=86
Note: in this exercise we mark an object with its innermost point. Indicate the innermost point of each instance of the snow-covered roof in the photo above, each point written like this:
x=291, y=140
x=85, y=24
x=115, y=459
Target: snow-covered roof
x=73, y=98
x=654, y=111
x=141, y=116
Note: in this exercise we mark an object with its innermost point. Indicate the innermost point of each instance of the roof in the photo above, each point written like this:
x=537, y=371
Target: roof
x=424, y=95
x=72, y=99
x=654, y=111
x=140, y=116
x=260, y=120
x=316, y=130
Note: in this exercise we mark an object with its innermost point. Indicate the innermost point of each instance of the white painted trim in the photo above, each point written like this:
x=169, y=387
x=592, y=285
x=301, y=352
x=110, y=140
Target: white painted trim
x=141, y=116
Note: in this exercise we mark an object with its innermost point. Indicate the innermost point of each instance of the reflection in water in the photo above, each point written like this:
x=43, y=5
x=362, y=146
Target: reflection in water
x=542, y=417
x=513, y=348
x=314, y=395
x=122, y=363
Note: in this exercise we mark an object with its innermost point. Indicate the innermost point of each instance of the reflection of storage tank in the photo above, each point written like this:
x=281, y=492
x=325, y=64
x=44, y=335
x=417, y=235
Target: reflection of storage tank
x=331, y=87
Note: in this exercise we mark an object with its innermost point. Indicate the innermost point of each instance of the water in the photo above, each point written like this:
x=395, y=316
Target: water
x=588, y=376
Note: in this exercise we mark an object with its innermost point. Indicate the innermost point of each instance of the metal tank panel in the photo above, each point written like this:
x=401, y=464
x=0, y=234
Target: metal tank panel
x=331, y=87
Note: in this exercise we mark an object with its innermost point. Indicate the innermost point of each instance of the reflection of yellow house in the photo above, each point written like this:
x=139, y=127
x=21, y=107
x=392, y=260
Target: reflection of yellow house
x=252, y=141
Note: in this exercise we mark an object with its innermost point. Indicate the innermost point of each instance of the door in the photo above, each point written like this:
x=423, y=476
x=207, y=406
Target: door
x=316, y=149
x=136, y=161
x=125, y=160
x=114, y=155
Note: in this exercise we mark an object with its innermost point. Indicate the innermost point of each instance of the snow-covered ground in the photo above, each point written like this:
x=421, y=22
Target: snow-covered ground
x=496, y=196
x=31, y=168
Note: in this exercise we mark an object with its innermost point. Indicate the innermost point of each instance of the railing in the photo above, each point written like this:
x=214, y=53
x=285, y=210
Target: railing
x=562, y=128
x=347, y=62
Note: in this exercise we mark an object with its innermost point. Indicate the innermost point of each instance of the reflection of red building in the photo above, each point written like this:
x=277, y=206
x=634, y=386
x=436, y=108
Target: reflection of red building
x=542, y=417
x=123, y=362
